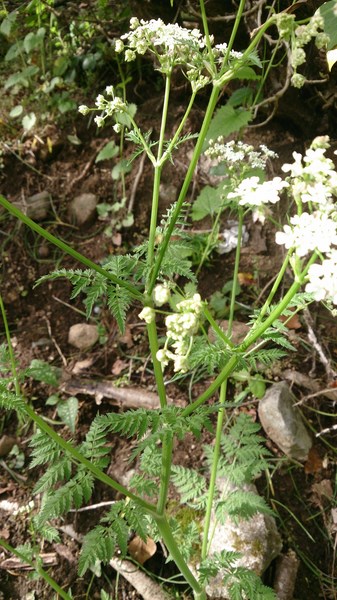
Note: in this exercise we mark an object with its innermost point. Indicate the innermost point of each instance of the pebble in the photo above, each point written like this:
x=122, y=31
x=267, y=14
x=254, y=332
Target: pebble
x=283, y=423
x=83, y=335
x=82, y=209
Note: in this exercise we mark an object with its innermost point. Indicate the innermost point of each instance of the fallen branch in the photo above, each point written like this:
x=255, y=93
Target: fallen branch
x=122, y=396
x=148, y=589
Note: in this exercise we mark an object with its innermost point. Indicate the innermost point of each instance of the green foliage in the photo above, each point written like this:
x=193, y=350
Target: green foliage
x=43, y=371
x=244, y=454
x=100, y=543
x=191, y=486
x=227, y=120
x=240, y=581
x=241, y=504
x=96, y=287
x=330, y=22
x=9, y=400
x=210, y=201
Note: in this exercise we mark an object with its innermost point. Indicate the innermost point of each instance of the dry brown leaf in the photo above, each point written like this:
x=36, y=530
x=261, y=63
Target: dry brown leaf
x=246, y=279
x=292, y=322
x=141, y=551
x=119, y=366
x=314, y=463
x=82, y=365
x=6, y=444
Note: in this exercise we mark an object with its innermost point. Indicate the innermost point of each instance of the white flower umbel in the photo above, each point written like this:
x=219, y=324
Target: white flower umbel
x=108, y=107
x=312, y=177
x=173, y=46
x=323, y=279
x=251, y=193
x=309, y=232
x=232, y=153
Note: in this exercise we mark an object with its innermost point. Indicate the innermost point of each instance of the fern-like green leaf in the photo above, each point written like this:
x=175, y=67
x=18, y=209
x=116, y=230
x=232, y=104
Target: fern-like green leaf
x=45, y=450
x=9, y=400
x=98, y=544
x=241, y=504
x=59, y=471
x=191, y=486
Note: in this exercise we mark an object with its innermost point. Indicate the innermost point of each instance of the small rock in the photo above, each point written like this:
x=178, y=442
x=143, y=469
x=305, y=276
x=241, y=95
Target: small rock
x=82, y=209
x=168, y=193
x=83, y=336
x=6, y=444
x=283, y=422
x=256, y=539
x=36, y=207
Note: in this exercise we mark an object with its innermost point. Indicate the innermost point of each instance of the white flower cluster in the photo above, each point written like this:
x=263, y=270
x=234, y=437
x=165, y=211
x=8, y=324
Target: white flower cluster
x=313, y=177
x=115, y=107
x=312, y=181
x=173, y=46
x=323, y=279
x=236, y=152
x=308, y=232
x=181, y=326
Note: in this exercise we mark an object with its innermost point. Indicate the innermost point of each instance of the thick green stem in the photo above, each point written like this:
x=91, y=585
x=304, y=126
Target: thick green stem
x=166, y=458
x=215, y=461
x=189, y=175
x=171, y=544
x=39, y=570
x=158, y=372
x=79, y=458
x=157, y=176
x=274, y=289
x=207, y=36
x=65, y=248
x=236, y=272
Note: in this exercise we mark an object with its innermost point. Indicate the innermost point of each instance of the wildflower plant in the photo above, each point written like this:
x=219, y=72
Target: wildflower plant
x=148, y=276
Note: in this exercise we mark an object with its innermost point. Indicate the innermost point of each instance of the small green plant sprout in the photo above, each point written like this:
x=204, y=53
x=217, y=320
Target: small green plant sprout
x=150, y=276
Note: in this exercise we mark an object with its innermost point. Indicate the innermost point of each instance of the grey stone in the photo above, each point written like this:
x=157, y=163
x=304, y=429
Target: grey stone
x=283, y=423
x=82, y=209
x=83, y=336
x=256, y=539
x=36, y=207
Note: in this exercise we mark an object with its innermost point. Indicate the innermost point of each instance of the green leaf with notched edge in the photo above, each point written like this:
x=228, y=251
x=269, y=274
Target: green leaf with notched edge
x=67, y=410
x=110, y=150
x=43, y=371
x=208, y=203
x=226, y=120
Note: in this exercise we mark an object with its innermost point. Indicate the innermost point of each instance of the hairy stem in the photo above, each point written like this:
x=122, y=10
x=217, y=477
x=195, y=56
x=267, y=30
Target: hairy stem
x=157, y=176
x=214, y=470
x=79, y=458
x=171, y=544
x=189, y=175
x=158, y=372
x=65, y=248
x=165, y=472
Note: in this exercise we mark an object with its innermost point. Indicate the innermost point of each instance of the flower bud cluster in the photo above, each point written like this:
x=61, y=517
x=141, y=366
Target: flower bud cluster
x=181, y=326
x=299, y=36
x=234, y=153
x=108, y=108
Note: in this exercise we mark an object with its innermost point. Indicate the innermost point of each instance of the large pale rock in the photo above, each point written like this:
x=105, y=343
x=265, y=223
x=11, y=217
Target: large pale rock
x=83, y=335
x=256, y=539
x=82, y=209
x=283, y=423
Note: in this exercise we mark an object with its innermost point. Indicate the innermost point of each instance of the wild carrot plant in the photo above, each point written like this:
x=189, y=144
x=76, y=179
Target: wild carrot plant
x=148, y=276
